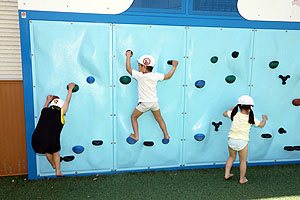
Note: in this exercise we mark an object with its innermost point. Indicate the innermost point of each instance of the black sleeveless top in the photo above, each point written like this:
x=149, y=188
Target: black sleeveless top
x=46, y=136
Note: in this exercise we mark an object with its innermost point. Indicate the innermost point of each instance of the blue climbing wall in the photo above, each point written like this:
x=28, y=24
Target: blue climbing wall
x=64, y=52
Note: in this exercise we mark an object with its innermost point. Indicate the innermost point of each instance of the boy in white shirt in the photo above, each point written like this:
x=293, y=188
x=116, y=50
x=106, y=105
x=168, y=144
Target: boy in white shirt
x=147, y=96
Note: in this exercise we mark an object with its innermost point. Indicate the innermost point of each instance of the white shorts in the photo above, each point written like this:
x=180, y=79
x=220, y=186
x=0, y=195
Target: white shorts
x=145, y=106
x=237, y=145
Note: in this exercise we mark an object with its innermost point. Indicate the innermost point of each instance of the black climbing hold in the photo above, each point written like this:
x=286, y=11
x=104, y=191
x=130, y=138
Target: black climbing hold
x=297, y=148
x=199, y=137
x=289, y=148
x=217, y=125
x=125, y=80
x=170, y=62
x=131, y=53
x=266, y=135
x=67, y=158
x=75, y=89
x=214, y=59
x=97, y=142
x=148, y=143
x=230, y=79
x=235, y=54
x=273, y=64
x=200, y=83
x=281, y=131
x=284, y=78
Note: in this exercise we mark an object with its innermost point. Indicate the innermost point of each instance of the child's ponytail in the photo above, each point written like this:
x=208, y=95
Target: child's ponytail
x=234, y=111
x=251, y=117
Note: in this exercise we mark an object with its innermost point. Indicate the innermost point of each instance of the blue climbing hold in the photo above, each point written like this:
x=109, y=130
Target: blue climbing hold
x=78, y=149
x=165, y=141
x=131, y=140
x=199, y=137
x=90, y=79
x=200, y=83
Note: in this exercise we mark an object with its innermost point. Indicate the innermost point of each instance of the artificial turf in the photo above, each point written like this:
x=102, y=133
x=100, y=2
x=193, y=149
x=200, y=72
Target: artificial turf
x=265, y=182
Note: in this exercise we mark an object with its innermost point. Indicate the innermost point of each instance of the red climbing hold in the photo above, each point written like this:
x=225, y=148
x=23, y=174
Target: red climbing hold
x=296, y=102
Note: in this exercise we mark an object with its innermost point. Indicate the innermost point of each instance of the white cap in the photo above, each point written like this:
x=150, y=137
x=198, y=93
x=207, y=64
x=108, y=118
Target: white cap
x=246, y=100
x=147, y=60
x=57, y=102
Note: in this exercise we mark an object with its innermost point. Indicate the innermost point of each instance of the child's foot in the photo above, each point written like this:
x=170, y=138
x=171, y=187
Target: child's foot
x=227, y=177
x=243, y=180
x=167, y=138
x=131, y=139
x=134, y=137
x=58, y=173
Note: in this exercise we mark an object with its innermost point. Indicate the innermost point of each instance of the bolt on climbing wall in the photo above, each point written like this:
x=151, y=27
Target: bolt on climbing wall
x=216, y=66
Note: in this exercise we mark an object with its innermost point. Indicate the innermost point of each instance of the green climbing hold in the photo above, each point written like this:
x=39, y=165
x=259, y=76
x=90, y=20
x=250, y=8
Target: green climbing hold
x=273, y=64
x=125, y=80
x=214, y=59
x=75, y=89
x=230, y=79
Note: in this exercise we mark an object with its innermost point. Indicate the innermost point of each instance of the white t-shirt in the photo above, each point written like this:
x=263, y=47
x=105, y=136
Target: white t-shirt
x=147, y=85
x=240, y=126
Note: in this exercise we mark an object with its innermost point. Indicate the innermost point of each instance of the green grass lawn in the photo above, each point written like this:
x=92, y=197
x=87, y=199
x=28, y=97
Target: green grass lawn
x=265, y=182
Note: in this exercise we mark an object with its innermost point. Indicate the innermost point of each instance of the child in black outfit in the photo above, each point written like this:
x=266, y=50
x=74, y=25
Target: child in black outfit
x=46, y=136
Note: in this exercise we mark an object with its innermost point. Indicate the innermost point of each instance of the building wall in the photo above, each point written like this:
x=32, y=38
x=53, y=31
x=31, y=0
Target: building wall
x=13, y=159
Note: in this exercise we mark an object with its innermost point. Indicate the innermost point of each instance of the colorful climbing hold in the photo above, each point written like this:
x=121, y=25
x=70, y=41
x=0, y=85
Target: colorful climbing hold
x=97, y=142
x=75, y=89
x=230, y=79
x=125, y=80
x=78, y=149
x=296, y=102
x=90, y=79
x=148, y=143
x=214, y=59
x=199, y=137
x=235, y=54
x=200, y=83
x=273, y=64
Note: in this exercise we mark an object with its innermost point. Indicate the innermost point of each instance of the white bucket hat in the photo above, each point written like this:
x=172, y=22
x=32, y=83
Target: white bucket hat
x=147, y=60
x=246, y=100
x=57, y=102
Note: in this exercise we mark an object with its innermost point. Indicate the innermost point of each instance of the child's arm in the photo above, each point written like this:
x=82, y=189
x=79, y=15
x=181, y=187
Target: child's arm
x=263, y=122
x=171, y=72
x=67, y=102
x=48, y=100
x=128, y=65
x=225, y=114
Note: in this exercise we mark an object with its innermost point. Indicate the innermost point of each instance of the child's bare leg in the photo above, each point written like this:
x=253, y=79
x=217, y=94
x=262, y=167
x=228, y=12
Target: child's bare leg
x=161, y=123
x=56, y=159
x=135, y=115
x=243, y=164
x=50, y=159
x=229, y=162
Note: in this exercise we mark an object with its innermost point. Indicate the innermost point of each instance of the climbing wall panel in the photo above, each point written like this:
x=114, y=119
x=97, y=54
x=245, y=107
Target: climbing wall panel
x=163, y=43
x=70, y=52
x=274, y=87
x=221, y=62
